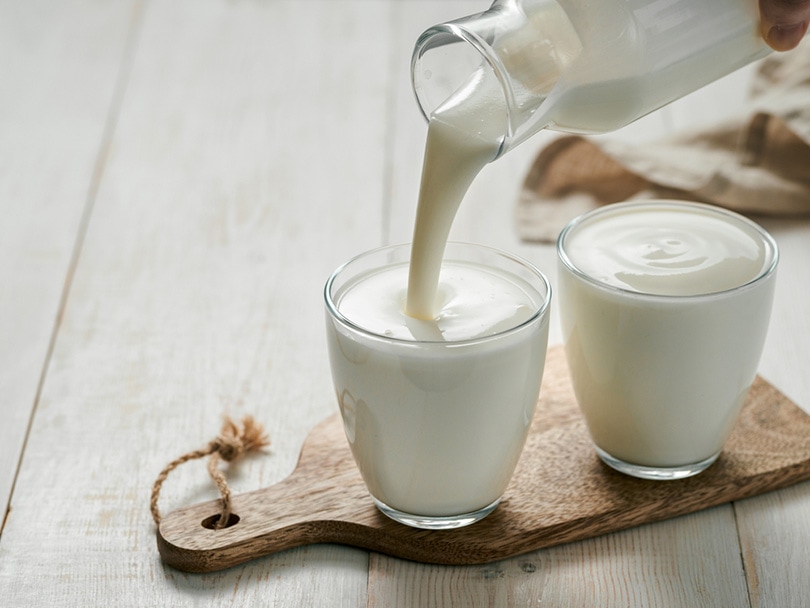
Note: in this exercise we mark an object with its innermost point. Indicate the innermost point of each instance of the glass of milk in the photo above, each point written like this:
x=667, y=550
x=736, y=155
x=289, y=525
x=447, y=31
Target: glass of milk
x=437, y=411
x=664, y=308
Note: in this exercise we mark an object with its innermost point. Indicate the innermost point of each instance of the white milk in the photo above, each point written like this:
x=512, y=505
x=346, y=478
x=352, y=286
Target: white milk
x=466, y=132
x=664, y=308
x=437, y=411
x=637, y=56
x=463, y=136
x=668, y=250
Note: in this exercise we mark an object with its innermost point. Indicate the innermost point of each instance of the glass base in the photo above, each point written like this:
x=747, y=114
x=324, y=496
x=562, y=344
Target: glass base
x=657, y=473
x=426, y=522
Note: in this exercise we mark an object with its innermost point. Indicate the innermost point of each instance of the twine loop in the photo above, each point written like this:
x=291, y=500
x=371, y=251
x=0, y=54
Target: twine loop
x=232, y=443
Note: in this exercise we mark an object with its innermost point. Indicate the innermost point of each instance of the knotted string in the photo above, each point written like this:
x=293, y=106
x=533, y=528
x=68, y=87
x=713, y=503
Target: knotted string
x=233, y=443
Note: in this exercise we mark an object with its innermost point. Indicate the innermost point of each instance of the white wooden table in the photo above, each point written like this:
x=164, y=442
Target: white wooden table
x=177, y=179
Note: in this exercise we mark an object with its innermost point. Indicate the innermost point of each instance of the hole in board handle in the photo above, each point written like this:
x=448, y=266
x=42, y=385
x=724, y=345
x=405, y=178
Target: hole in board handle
x=211, y=522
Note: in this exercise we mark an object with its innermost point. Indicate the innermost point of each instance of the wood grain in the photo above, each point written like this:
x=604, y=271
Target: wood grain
x=560, y=492
x=60, y=68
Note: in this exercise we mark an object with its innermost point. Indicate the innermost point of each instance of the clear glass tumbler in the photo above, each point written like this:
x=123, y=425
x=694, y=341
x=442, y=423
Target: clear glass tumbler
x=437, y=425
x=663, y=341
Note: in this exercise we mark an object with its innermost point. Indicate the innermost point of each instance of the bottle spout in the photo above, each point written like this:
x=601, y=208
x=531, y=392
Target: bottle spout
x=518, y=54
x=446, y=56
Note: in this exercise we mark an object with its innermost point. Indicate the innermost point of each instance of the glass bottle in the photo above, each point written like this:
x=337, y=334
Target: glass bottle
x=584, y=66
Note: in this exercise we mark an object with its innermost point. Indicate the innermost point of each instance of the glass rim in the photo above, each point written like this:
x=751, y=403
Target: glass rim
x=767, y=270
x=540, y=312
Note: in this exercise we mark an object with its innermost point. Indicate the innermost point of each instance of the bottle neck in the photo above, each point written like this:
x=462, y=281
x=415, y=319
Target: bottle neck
x=518, y=52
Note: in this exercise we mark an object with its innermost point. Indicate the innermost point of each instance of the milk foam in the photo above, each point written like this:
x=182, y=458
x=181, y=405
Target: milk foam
x=471, y=302
x=667, y=250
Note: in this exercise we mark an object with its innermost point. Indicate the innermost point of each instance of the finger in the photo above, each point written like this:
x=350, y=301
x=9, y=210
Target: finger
x=786, y=37
x=784, y=22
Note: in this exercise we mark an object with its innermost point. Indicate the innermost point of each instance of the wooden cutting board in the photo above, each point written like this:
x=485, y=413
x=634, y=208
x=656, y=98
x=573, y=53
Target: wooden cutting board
x=560, y=492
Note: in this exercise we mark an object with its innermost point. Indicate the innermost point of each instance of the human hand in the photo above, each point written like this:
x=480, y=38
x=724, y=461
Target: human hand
x=784, y=22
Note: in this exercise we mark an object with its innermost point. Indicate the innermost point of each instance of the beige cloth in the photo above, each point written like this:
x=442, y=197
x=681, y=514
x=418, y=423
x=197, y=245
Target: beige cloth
x=757, y=163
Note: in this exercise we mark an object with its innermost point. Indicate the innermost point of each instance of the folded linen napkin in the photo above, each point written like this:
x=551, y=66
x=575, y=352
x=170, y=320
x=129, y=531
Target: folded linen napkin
x=755, y=163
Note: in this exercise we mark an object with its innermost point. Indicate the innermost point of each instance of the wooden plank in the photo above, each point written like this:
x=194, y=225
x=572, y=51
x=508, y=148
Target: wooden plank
x=58, y=69
x=246, y=164
x=666, y=564
x=774, y=538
